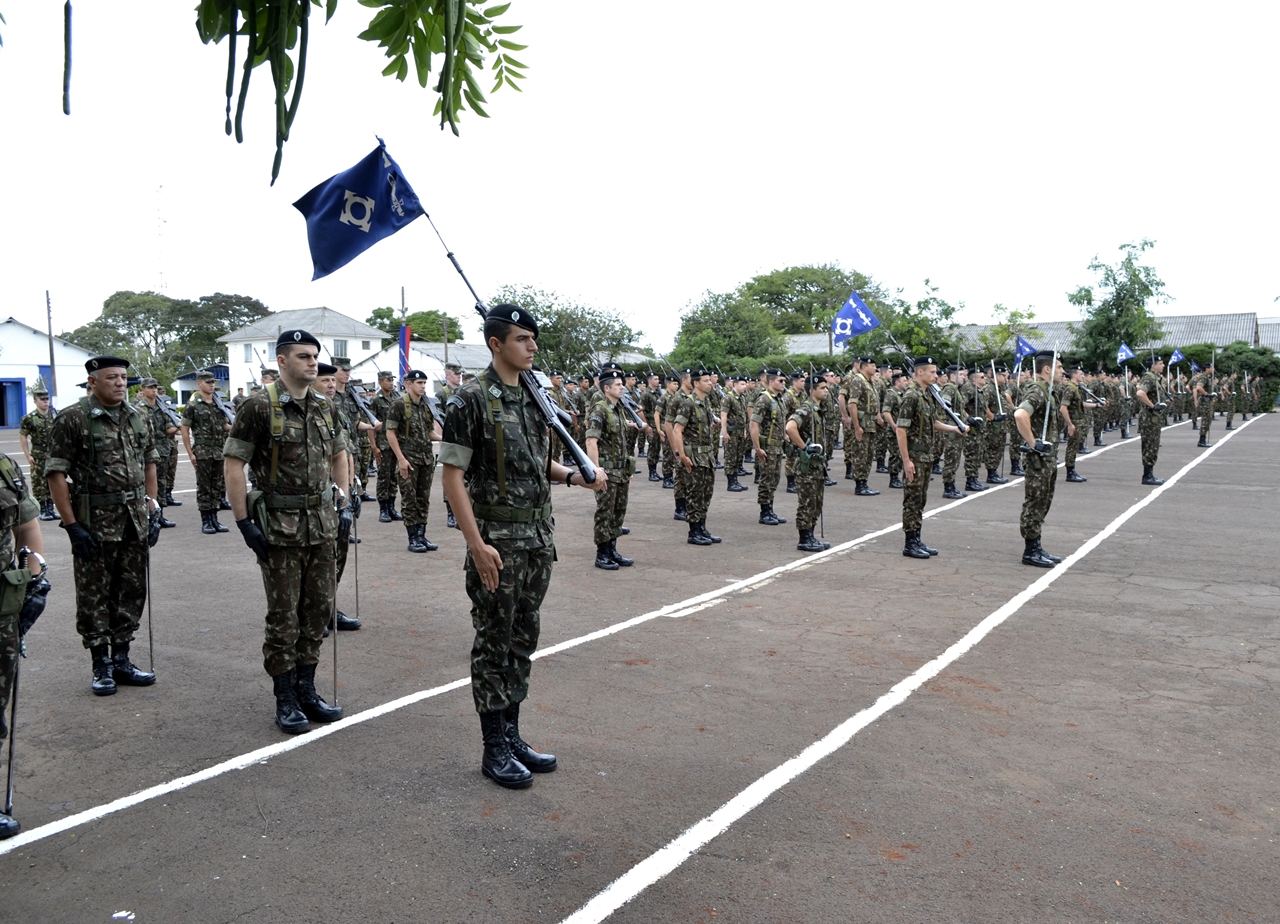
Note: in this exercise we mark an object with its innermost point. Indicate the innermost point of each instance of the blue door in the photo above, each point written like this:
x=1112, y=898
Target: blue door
x=13, y=403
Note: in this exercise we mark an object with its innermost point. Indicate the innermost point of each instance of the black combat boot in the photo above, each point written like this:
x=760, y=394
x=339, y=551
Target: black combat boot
x=669, y=482
x=206, y=522
x=1204, y=443
x=1195, y=423
x=949, y=491
x=213, y=521
x=603, y=561
x=48, y=511
x=1149, y=476
x=1084, y=450
x=1055, y=559
x=756, y=480
x=103, y=683
x=696, y=537
x=881, y=468
x=396, y=516
x=422, y=537
x=415, y=543
x=309, y=701
x=9, y=826
x=828, y=481
x=774, y=514
x=289, y=715
x=383, y=515
x=520, y=750
x=920, y=544
x=895, y=481
x=809, y=543
x=450, y=522
x=367, y=497
x=346, y=623
x=125, y=672
x=994, y=477
x=742, y=471
x=653, y=473
x=937, y=467
x=1015, y=467
x=1097, y=441
x=224, y=504
x=767, y=516
x=1034, y=555
x=862, y=490
x=973, y=485
x=1075, y=477
x=680, y=511
x=848, y=471
x=702, y=528
x=618, y=556
x=736, y=486
x=164, y=522
x=169, y=501
x=791, y=484
x=499, y=764
x=911, y=547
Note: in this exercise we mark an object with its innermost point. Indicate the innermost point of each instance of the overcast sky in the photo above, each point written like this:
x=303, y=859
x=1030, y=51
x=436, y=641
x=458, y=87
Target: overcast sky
x=661, y=151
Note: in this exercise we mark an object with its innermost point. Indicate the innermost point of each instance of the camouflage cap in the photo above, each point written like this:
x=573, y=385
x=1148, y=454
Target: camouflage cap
x=204, y=375
x=146, y=382
x=386, y=374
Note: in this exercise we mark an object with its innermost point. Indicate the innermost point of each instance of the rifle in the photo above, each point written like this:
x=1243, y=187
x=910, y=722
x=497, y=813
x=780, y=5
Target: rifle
x=1101, y=402
x=262, y=366
x=217, y=398
x=933, y=389
x=1002, y=416
x=540, y=397
x=167, y=407
x=361, y=403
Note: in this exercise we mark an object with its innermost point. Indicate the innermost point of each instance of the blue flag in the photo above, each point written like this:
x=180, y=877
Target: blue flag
x=1124, y=352
x=1177, y=357
x=1023, y=349
x=353, y=210
x=1194, y=367
x=852, y=319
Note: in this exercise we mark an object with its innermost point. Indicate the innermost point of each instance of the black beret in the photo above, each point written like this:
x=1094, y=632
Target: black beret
x=326, y=369
x=513, y=314
x=771, y=373
x=814, y=380
x=954, y=368
x=609, y=375
x=797, y=374
x=105, y=362
x=924, y=361
x=1000, y=367
x=554, y=372
x=296, y=336
x=1049, y=353
x=696, y=373
x=414, y=375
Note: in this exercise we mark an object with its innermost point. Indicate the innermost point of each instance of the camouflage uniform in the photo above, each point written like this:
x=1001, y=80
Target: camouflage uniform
x=892, y=404
x=811, y=471
x=164, y=442
x=299, y=576
x=1074, y=401
x=993, y=433
x=830, y=426
x=700, y=438
x=681, y=476
x=952, y=444
x=973, y=403
x=1203, y=411
x=17, y=506
x=413, y=424
x=561, y=399
x=511, y=499
x=108, y=480
x=361, y=448
x=860, y=398
x=789, y=401
x=767, y=414
x=635, y=437
x=607, y=425
x=1042, y=473
x=648, y=404
x=35, y=427
x=346, y=440
x=916, y=414
x=205, y=420
x=388, y=477
x=883, y=435
x=735, y=410
x=1150, y=423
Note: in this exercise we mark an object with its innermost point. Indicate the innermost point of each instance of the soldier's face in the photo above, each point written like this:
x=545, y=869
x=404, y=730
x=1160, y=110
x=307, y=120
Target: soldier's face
x=702, y=385
x=148, y=392
x=926, y=375
x=205, y=387
x=42, y=401
x=517, y=350
x=111, y=385
x=300, y=363
x=613, y=389
x=453, y=378
x=776, y=385
x=327, y=385
x=820, y=391
x=385, y=385
x=417, y=387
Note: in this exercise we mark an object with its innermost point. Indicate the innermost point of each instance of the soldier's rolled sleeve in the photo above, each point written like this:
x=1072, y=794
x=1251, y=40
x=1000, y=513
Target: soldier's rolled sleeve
x=237, y=449
x=455, y=455
x=28, y=509
x=54, y=464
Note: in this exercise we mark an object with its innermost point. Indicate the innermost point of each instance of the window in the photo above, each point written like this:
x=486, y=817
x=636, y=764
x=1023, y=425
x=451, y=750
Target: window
x=340, y=348
x=248, y=352
x=364, y=344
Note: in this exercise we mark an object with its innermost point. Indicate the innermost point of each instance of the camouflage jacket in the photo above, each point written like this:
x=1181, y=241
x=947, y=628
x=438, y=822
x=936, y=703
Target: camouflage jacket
x=606, y=424
x=206, y=421
x=735, y=410
x=917, y=412
x=806, y=416
x=973, y=401
x=304, y=457
x=381, y=405
x=1036, y=402
x=767, y=415
x=649, y=403
x=1073, y=399
x=511, y=495
x=700, y=434
x=118, y=464
x=17, y=506
x=36, y=427
x=159, y=422
x=413, y=424
x=346, y=402
x=1153, y=388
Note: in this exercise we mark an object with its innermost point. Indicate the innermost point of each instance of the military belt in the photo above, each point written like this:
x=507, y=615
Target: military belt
x=917, y=446
x=293, y=501
x=501, y=513
x=118, y=497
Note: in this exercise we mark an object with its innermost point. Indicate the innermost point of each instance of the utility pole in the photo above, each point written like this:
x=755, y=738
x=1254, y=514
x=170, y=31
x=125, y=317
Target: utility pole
x=53, y=374
x=444, y=322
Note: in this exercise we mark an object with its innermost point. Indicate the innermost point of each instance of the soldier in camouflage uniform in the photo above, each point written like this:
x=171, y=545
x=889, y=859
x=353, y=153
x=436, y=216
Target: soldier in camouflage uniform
x=693, y=439
x=33, y=436
x=1075, y=410
x=790, y=400
x=860, y=409
x=607, y=429
x=327, y=385
x=204, y=428
x=304, y=521
x=993, y=433
x=103, y=446
x=766, y=430
x=973, y=404
x=347, y=399
x=649, y=407
x=884, y=435
x=170, y=468
x=411, y=427
x=681, y=480
x=388, y=478
x=829, y=422
x=163, y=430
x=804, y=427
x=561, y=399
x=919, y=417
x=1151, y=417
x=733, y=432
x=1202, y=398
x=22, y=602
x=889, y=423
x=1037, y=416
x=951, y=444
x=635, y=436
x=499, y=479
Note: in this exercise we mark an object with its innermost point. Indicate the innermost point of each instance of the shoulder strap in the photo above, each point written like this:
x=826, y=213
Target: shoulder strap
x=495, y=410
x=408, y=411
x=277, y=431
x=11, y=473
x=97, y=440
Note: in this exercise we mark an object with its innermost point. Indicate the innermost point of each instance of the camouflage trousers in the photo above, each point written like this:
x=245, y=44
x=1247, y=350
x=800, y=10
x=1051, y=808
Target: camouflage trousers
x=769, y=468
x=1075, y=442
x=301, y=585
x=952, y=449
x=388, y=477
x=974, y=450
x=682, y=481
x=810, y=488
x=895, y=457
x=507, y=623
x=1204, y=413
x=365, y=459
x=611, y=508
x=8, y=666
x=789, y=457
x=1042, y=476
x=668, y=461
x=654, y=451
x=1101, y=418
x=1149, y=426
x=211, y=484
x=859, y=451
x=111, y=590
x=416, y=492
x=171, y=467
x=699, y=485
x=734, y=450
x=883, y=440
x=829, y=434
x=39, y=484
x=916, y=492
x=994, y=439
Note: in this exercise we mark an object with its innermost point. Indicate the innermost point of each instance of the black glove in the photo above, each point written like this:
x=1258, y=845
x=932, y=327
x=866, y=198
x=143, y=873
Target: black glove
x=33, y=605
x=153, y=528
x=344, y=525
x=1160, y=408
x=1042, y=448
x=1000, y=418
x=975, y=422
x=814, y=449
x=82, y=545
x=355, y=503
x=254, y=538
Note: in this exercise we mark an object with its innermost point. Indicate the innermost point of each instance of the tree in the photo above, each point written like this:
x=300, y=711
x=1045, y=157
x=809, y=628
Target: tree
x=1120, y=313
x=424, y=325
x=803, y=299
x=571, y=337
x=920, y=327
x=1010, y=324
x=725, y=327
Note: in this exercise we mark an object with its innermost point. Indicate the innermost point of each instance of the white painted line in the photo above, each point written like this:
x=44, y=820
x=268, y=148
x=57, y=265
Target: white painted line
x=263, y=754
x=657, y=865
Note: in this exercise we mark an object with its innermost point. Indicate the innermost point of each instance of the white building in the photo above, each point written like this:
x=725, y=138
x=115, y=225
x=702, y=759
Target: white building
x=24, y=357
x=253, y=346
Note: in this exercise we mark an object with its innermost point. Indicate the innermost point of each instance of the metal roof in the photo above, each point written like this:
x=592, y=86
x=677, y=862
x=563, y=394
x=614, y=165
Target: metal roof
x=1269, y=335
x=1222, y=329
x=320, y=322
x=810, y=343
x=1045, y=335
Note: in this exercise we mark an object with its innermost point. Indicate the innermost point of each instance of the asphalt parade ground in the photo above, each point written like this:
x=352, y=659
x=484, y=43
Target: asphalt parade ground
x=744, y=733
